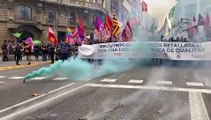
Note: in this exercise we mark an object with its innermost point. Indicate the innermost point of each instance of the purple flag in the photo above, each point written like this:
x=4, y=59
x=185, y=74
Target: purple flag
x=201, y=20
x=29, y=41
x=80, y=35
x=98, y=24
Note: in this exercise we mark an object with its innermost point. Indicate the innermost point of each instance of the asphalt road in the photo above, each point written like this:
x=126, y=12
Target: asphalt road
x=143, y=93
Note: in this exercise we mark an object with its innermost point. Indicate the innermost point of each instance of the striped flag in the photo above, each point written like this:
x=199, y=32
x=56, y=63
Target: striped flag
x=116, y=27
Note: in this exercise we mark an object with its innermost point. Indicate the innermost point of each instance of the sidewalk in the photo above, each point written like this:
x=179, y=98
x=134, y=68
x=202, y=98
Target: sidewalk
x=22, y=62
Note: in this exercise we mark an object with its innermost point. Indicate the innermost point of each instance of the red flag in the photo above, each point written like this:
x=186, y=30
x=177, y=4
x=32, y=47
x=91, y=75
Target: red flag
x=144, y=7
x=207, y=21
x=108, y=27
x=127, y=33
x=191, y=31
x=51, y=36
x=108, y=23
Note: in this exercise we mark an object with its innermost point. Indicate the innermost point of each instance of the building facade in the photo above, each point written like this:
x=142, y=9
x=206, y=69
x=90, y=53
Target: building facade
x=33, y=17
x=189, y=8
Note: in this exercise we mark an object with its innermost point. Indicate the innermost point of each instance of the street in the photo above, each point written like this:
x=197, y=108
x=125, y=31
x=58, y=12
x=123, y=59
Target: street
x=143, y=93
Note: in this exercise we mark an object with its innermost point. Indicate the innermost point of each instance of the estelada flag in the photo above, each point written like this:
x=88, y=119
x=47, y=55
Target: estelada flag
x=144, y=7
x=116, y=27
x=52, y=36
x=127, y=33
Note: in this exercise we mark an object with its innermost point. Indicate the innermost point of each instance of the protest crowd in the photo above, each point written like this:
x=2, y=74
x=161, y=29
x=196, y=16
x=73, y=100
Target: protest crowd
x=104, y=32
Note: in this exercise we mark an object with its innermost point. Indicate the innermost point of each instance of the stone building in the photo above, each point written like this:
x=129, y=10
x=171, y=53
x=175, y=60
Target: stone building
x=33, y=17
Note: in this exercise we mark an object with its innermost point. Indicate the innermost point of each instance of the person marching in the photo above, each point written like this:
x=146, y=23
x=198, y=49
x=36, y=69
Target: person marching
x=52, y=52
x=28, y=52
x=17, y=53
x=64, y=51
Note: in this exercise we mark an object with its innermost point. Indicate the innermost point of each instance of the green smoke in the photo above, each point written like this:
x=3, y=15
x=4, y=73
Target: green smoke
x=77, y=69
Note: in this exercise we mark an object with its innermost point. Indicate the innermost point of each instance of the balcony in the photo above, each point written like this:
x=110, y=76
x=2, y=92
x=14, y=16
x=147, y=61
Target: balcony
x=26, y=20
x=78, y=3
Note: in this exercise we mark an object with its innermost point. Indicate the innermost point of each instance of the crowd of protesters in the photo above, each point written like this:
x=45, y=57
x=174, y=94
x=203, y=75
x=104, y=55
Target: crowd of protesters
x=42, y=52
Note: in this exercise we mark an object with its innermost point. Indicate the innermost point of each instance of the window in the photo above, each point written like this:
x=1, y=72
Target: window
x=51, y=16
x=24, y=12
x=72, y=18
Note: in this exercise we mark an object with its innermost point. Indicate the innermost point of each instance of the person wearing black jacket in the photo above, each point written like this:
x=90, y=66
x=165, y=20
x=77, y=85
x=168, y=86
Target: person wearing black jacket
x=17, y=53
x=51, y=52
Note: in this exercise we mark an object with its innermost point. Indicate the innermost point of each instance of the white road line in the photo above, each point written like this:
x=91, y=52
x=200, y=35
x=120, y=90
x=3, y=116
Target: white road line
x=61, y=78
x=2, y=76
x=164, y=82
x=194, y=84
x=138, y=87
x=38, y=105
x=197, y=107
x=2, y=82
x=136, y=81
x=109, y=80
x=27, y=101
x=15, y=78
x=39, y=78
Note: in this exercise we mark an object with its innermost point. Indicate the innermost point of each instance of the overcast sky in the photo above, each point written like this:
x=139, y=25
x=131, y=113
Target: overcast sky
x=160, y=8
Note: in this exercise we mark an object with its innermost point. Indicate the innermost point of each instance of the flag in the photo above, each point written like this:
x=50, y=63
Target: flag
x=75, y=32
x=108, y=25
x=144, y=7
x=97, y=35
x=116, y=27
x=200, y=20
x=29, y=41
x=69, y=31
x=194, y=19
x=80, y=24
x=98, y=24
x=17, y=35
x=69, y=36
x=127, y=33
x=207, y=21
x=52, y=36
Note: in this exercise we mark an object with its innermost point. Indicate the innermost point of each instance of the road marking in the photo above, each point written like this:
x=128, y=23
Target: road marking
x=138, y=87
x=197, y=107
x=2, y=82
x=2, y=76
x=40, y=104
x=15, y=78
x=164, y=82
x=136, y=81
x=61, y=78
x=109, y=80
x=194, y=84
x=39, y=78
x=29, y=100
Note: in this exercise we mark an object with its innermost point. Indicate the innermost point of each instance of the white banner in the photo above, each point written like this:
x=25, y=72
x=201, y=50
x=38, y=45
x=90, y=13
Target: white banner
x=163, y=50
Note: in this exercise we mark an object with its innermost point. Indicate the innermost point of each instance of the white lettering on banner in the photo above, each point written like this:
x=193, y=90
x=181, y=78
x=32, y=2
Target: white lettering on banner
x=162, y=50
